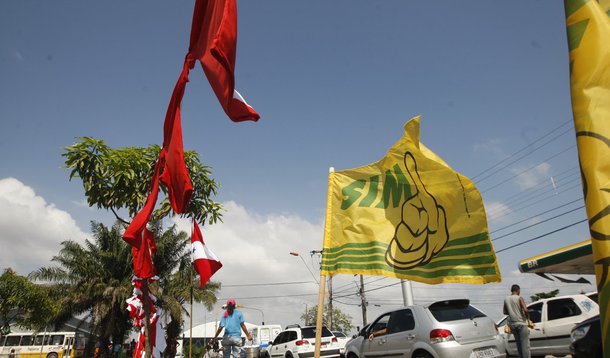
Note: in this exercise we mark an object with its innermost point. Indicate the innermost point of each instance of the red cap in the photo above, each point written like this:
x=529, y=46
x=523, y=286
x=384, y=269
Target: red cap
x=231, y=302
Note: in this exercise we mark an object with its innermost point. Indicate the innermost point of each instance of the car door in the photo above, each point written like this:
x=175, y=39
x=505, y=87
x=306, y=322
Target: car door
x=376, y=347
x=538, y=343
x=401, y=334
x=562, y=315
x=277, y=348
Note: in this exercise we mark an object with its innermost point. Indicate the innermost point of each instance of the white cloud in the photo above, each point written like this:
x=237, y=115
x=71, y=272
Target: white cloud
x=497, y=212
x=493, y=146
x=529, y=178
x=30, y=228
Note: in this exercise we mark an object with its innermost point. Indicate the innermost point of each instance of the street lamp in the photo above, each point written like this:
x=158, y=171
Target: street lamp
x=304, y=263
x=256, y=309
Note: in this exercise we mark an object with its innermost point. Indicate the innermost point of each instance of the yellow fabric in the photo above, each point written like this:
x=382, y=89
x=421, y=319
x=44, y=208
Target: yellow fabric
x=588, y=27
x=408, y=216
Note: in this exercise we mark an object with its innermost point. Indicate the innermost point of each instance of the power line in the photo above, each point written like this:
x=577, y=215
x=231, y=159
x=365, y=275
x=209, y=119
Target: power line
x=541, y=236
x=539, y=214
x=513, y=210
x=521, y=150
x=538, y=223
x=527, y=193
x=528, y=169
x=269, y=284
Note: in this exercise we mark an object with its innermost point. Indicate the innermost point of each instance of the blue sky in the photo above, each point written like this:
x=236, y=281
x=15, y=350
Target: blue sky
x=334, y=82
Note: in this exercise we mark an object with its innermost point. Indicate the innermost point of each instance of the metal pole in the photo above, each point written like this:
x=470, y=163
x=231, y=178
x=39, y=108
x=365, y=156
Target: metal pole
x=363, y=300
x=407, y=292
x=191, y=321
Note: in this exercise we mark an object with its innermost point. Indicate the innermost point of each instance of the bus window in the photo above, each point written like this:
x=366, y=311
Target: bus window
x=56, y=339
x=12, y=341
x=26, y=341
x=41, y=340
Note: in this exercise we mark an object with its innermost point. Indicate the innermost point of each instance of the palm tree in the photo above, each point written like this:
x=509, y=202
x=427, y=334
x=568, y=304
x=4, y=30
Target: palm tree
x=96, y=278
x=175, y=286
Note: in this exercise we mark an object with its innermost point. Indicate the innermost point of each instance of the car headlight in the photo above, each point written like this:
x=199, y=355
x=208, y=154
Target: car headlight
x=579, y=332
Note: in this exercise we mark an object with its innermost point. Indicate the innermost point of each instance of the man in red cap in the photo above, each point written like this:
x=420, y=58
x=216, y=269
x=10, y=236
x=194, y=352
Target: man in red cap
x=232, y=321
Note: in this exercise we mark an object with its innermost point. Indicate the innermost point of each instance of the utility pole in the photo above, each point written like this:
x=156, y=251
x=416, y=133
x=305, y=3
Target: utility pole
x=363, y=301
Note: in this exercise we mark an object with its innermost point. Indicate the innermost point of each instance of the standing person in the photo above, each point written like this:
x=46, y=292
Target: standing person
x=233, y=323
x=514, y=307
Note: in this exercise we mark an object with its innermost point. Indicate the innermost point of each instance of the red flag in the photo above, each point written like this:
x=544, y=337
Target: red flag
x=213, y=43
x=133, y=233
x=175, y=175
x=206, y=263
x=142, y=256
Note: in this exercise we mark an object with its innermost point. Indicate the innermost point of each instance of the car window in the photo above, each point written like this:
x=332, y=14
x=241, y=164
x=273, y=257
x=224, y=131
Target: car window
x=401, y=321
x=292, y=336
x=535, y=312
x=381, y=323
x=310, y=332
x=26, y=341
x=339, y=334
x=454, y=312
x=279, y=338
x=562, y=308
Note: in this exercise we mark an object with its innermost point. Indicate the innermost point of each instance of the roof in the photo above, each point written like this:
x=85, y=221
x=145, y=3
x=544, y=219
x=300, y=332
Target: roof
x=573, y=259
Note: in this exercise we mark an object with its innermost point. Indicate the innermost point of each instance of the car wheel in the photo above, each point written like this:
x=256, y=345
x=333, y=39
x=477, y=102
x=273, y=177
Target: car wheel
x=288, y=355
x=352, y=355
x=52, y=355
x=422, y=354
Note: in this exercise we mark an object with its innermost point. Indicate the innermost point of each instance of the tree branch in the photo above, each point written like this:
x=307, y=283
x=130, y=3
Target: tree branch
x=118, y=217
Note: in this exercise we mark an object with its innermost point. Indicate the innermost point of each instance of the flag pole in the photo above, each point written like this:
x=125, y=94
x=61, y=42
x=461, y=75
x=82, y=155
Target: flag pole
x=407, y=292
x=321, y=290
x=191, y=301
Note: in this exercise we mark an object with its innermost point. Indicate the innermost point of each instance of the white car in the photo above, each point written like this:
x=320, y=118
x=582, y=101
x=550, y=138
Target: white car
x=553, y=318
x=341, y=341
x=299, y=342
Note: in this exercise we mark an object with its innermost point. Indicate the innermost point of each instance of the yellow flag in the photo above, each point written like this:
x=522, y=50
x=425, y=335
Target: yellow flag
x=408, y=216
x=588, y=28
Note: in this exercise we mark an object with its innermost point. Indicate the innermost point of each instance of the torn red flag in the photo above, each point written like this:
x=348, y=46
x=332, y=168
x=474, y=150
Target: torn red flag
x=175, y=175
x=204, y=260
x=143, y=266
x=133, y=233
x=214, y=43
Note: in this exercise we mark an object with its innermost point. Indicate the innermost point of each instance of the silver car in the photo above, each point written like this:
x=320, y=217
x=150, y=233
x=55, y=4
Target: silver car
x=451, y=328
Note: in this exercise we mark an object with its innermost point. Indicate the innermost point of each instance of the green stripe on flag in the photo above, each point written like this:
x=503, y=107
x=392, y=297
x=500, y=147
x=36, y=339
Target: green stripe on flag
x=481, y=270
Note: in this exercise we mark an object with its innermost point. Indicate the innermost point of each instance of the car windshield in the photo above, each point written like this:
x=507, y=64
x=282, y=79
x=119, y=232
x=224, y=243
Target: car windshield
x=454, y=310
x=310, y=332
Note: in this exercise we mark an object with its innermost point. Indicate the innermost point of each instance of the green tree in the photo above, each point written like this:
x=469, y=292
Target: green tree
x=116, y=179
x=541, y=295
x=341, y=321
x=24, y=303
x=119, y=179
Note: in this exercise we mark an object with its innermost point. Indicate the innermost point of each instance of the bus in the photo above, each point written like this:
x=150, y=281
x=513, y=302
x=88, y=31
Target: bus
x=43, y=344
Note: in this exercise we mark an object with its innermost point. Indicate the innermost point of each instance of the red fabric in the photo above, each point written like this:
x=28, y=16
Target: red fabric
x=133, y=233
x=143, y=266
x=175, y=175
x=205, y=262
x=213, y=43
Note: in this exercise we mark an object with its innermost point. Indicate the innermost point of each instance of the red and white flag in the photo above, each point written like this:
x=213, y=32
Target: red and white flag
x=214, y=44
x=204, y=260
